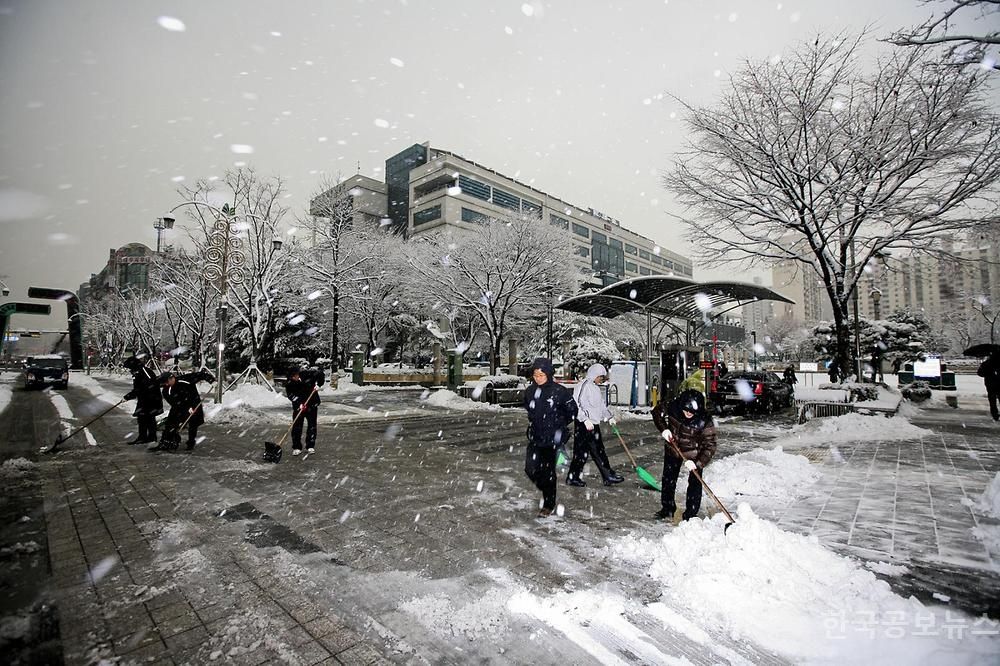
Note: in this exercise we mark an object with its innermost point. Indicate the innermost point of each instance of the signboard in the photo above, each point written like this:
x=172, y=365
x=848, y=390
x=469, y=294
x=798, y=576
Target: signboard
x=706, y=365
x=808, y=367
x=929, y=368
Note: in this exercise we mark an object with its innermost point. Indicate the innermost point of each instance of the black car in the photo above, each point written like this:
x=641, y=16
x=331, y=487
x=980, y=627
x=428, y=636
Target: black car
x=752, y=389
x=50, y=369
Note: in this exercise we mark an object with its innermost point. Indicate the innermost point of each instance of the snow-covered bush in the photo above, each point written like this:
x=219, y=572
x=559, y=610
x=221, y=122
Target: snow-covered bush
x=917, y=391
x=860, y=392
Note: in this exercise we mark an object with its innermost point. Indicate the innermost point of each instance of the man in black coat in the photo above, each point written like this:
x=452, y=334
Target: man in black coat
x=990, y=372
x=550, y=409
x=181, y=393
x=303, y=390
x=146, y=392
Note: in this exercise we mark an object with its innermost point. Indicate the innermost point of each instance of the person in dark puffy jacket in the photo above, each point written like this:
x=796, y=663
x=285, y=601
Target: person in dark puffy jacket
x=550, y=410
x=302, y=390
x=989, y=370
x=686, y=423
x=148, y=401
x=181, y=393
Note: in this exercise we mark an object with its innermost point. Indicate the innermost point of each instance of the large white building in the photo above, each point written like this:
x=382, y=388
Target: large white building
x=429, y=190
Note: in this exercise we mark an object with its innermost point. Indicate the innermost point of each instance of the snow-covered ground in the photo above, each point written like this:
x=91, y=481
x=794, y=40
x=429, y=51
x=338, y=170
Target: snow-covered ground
x=451, y=400
x=849, y=428
x=793, y=595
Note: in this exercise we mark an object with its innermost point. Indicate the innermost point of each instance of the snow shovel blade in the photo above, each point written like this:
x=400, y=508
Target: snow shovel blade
x=561, y=460
x=647, y=478
x=272, y=452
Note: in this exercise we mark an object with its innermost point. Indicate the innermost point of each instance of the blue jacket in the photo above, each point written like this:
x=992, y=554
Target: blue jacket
x=550, y=409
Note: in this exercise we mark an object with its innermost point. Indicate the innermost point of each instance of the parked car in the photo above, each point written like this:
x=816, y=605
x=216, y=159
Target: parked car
x=758, y=390
x=49, y=369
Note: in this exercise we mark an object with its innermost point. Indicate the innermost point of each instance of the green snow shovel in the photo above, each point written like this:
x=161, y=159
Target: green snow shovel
x=643, y=475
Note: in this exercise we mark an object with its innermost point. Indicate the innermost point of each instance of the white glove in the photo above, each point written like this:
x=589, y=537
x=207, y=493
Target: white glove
x=612, y=423
x=588, y=424
x=690, y=466
x=667, y=435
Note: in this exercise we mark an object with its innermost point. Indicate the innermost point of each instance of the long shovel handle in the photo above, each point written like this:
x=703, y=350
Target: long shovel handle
x=62, y=439
x=704, y=485
x=302, y=410
x=197, y=407
x=614, y=429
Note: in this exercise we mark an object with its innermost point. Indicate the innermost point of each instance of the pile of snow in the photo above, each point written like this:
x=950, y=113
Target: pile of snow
x=771, y=475
x=989, y=502
x=851, y=428
x=254, y=395
x=451, y=400
x=789, y=594
x=238, y=413
x=16, y=468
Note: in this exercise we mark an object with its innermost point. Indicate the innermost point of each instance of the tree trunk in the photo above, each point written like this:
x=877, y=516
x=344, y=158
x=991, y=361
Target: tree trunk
x=335, y=337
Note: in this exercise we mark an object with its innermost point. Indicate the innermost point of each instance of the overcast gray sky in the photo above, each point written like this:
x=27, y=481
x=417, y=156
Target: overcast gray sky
x=105, y=108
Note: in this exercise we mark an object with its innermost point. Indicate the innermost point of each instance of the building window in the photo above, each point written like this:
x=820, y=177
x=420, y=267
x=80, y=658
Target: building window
x=631, y=267
x=581, y=230
x=426, y=215
x=530, y=208
x=668, y=264
x=644, y=255
x=656, y=260
x=559, y=221
x=630, y=249
x=582, y=251
x=643, y=270
x=506, y=200
x=474, y=216
x=598, y=237
x=474, y=188
x=615, y=243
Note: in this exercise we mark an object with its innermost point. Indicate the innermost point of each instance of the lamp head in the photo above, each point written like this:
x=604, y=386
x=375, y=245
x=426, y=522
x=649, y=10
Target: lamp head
x=276, y=244
x=6, y=291
x=168, y=221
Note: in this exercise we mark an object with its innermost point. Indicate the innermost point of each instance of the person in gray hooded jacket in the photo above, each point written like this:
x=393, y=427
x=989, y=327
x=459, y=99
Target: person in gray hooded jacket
x=587, y=440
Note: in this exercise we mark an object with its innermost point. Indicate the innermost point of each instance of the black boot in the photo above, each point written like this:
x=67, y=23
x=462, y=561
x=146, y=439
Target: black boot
x=190, y=446
x=666, y=513
x=613, y=478
x=570, y=481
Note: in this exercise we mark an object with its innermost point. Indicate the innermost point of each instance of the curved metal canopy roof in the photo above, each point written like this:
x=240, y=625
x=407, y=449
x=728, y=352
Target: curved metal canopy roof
x=668, y=297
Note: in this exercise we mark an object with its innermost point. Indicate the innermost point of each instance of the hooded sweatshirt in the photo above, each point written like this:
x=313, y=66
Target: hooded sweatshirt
x=589, y=398
x=550, y=408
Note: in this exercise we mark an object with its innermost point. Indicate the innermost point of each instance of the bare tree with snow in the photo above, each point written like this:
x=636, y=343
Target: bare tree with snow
x=333, y=253
x=500, y=273
x=253, y=204
x=962, y=47
x=812, y=160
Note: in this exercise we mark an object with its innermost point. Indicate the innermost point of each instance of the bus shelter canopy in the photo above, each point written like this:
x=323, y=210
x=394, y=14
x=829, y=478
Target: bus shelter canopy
x=669, y=297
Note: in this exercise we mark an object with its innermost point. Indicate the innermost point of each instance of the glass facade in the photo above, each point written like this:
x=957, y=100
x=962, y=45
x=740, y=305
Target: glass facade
x=644, y=255
x=397, y=180
x=607, y=259
x=469, y=215
x=427, y=215
x=615, y=243
x=598, y=237
x=630, y=249
x=506, y=200
x=631, y=267
x=581, y=230
x=530, y=208
x=559, y=221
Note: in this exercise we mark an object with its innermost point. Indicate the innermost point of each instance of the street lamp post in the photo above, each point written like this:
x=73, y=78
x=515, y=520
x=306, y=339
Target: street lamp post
x=224, y=264
x=161, y=224
x=754, y=334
